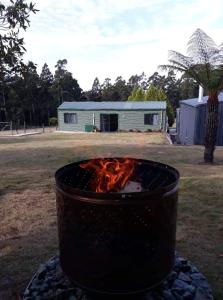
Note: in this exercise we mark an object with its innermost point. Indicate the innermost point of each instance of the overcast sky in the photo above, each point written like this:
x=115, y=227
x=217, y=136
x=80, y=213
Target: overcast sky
x=108, y=38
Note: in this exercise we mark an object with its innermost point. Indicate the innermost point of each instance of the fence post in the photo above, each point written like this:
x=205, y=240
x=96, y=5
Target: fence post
x=11, y=128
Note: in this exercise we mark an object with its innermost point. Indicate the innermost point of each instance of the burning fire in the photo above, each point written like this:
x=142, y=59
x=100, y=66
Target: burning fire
x=110, y=175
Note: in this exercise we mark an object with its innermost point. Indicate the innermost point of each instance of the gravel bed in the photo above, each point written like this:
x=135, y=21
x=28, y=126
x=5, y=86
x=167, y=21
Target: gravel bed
x=185, y=282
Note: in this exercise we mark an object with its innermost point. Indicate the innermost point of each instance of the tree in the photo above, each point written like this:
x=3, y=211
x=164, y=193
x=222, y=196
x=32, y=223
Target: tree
x=12, y=18
x=169, y=84
x=152, y=93
x=106, y=89
x=65, y=87
x=172, y=88
x=203, y=63
x=95, y=93
x=96, y=87
x=30, y=93
x=157, y=94
x=133, y=94
x=48, y=105
x=157, y=80
x=138, y=81
x=121, y=90
x=188, y=87
x=137, y=94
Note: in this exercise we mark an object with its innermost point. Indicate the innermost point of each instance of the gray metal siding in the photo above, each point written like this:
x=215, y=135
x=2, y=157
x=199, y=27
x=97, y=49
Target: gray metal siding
x=200, y=125
x=187, y=122
x=199, y=128
x=126, y=119
x=192, y=124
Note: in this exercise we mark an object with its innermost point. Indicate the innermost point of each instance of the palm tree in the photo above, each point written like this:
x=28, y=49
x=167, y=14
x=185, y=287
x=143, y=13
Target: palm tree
x=203, y=63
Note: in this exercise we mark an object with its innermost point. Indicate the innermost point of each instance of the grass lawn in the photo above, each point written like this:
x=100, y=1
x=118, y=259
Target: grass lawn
x=28, y=225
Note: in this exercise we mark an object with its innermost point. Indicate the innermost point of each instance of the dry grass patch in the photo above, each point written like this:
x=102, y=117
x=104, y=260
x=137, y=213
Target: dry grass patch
x=28, y=230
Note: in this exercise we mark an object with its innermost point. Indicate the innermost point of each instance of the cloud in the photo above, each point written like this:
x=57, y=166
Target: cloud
x=107, y=38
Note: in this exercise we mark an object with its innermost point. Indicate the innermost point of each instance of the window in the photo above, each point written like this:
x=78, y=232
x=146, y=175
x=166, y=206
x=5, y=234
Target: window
x=70, y=118
x=151, y=119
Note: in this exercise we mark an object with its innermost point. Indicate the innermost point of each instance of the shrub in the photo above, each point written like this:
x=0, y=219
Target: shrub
x=53, y=121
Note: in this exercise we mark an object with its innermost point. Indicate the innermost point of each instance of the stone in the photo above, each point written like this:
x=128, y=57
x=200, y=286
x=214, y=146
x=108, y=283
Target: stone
x=72, y=297
x=35, y=294
x=180, y=285
x=172, y=276
x=186, y=268
x=201, y=283
x=194, y=269
x=41, y=271
x=197, y=276
x=47, y=295
x=201, y=294
x=185, y=282
x=177, y=292
x=51, y=265
x=43, y=287
x=184, y=277
x=168, y=295
x=188, y=296
x=191, y=289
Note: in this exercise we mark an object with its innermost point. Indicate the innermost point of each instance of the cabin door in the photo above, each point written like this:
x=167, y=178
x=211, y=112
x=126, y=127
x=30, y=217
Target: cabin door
x=109, y=122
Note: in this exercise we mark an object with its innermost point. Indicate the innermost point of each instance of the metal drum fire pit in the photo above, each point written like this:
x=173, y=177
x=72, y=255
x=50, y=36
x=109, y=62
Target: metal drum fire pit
x=118, y=241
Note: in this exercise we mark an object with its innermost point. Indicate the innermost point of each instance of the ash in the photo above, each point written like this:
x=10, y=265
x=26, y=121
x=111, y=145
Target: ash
x=185, y=282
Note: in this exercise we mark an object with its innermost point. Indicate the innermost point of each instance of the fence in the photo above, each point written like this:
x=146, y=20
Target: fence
x=15, y=129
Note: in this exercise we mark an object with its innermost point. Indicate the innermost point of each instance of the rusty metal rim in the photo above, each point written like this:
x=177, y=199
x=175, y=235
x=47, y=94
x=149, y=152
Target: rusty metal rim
x=117, y=198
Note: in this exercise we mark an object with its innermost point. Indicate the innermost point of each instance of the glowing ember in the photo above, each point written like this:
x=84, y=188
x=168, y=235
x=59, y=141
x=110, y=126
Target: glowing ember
x=110, y=175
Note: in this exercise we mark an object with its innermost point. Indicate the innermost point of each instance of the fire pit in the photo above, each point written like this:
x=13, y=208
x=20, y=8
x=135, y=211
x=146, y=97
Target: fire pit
x=117, y=224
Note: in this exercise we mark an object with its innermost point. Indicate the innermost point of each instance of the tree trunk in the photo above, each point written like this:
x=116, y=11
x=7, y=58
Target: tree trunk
x=211, y=128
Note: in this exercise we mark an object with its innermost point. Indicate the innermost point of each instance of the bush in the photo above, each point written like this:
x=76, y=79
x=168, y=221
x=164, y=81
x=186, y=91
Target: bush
x=53, y=121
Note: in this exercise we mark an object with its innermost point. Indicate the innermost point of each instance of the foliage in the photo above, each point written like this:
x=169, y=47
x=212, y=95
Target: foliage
x=13, y=18
x=65, y=87
x=53, y=121
x=204, y=64
x=153, y=94
x=33, y=98
x=133, y=94
x=157, y=94
x=138, y=94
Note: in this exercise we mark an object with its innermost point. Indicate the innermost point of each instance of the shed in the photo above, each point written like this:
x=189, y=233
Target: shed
x=112, y=116
x=191, y=119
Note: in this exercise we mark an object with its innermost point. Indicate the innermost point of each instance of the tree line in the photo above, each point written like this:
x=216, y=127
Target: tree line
x=33, y=98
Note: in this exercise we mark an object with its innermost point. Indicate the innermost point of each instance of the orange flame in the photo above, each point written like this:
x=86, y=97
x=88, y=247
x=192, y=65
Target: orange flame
x=111, y=174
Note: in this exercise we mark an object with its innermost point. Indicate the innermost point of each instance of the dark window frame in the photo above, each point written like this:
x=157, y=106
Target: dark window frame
x=68, y=119
x=149, y=119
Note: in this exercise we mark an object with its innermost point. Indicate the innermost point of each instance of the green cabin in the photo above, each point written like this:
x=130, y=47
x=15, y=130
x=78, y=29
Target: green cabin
x=112, y=116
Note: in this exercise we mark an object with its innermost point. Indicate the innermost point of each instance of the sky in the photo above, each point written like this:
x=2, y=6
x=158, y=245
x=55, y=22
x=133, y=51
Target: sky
x=111, y=38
